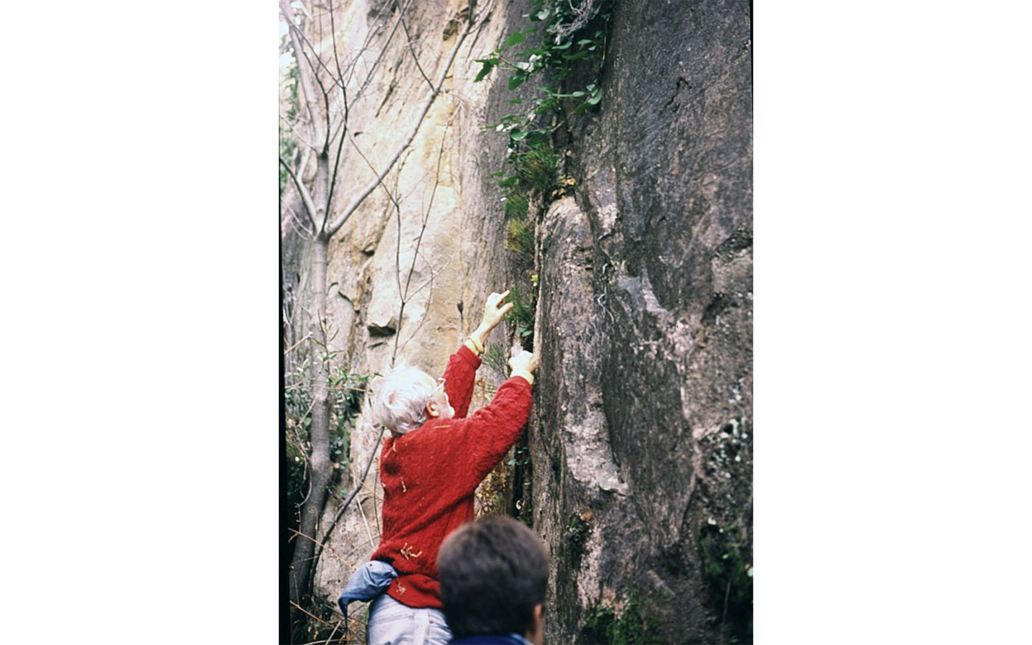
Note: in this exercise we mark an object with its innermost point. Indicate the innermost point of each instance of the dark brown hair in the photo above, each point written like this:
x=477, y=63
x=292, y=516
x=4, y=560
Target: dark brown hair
x=492, y=572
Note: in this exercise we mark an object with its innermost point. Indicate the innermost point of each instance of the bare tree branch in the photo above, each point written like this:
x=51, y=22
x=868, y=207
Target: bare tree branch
x=336, y=57
x=429, y=206
x=304, y=75
x=305, y=196
x=343, y=217
x=379, y=57
x=408, y=39
x=390, y=196
x=300, y=222
x=302, y=609
x=324, y=137
x=354, y=491
x=415, y=255
x=336, y=160
x=319, y=60
x=296, y=132
x=297, y=344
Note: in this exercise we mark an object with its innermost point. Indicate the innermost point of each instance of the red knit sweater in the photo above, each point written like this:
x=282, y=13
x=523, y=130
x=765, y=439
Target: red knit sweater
x=429, y=476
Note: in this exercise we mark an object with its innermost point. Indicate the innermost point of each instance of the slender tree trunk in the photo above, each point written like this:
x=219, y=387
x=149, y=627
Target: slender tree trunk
x=321, y=469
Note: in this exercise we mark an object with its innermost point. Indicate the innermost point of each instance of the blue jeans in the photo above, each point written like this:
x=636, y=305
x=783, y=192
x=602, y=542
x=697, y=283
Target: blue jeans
x=392, y=623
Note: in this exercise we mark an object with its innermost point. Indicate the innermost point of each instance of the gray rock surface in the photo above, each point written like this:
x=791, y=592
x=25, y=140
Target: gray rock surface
x=643, y=415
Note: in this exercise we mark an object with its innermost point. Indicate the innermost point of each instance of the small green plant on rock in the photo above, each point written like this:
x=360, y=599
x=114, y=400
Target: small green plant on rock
x=538, y=168
x=727, y=571
x=517, y=206
x=522, y=318
x=631, y=627
x=577, y=533
x=519, y=237
x=495, y=359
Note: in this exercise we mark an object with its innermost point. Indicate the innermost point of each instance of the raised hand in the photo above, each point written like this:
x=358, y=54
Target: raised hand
x=494, y=310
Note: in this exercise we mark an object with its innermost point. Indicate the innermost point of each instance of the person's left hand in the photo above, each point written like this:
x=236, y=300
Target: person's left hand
x=494, y=310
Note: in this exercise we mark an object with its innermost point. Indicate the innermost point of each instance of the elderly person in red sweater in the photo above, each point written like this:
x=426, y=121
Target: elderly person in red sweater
x=430, y=467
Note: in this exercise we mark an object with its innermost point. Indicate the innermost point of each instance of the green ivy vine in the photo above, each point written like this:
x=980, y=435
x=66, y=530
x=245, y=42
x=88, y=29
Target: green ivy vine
x=573, y=34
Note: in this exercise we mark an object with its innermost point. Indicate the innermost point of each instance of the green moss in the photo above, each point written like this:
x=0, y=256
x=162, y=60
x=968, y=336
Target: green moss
x=598, y=625
x=577, y=533
x=634, y=626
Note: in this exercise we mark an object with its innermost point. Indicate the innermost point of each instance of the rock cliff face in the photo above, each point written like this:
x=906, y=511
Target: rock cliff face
x=639, y=475
x=646, y=333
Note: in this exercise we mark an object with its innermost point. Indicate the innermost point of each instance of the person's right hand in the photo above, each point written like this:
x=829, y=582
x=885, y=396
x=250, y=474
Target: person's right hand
x=522, y=361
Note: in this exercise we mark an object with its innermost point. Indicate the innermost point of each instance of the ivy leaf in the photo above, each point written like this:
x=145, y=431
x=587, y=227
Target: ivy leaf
x=515, y=39
x=484, y=71
x=579, y=55
x=535, y=138
x=516, y=80
x=508, y=181
x=517, y=135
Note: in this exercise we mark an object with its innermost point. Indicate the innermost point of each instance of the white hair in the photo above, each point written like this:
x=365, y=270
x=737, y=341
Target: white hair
x=401, y=399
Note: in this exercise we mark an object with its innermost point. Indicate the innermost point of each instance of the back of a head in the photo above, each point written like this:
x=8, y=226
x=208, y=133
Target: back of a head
x=492, y=573
x=401, y=397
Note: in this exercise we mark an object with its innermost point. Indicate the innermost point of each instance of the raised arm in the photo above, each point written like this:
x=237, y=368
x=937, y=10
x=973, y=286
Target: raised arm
x=462, y=366
x=494, y=311
x=492, y=430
